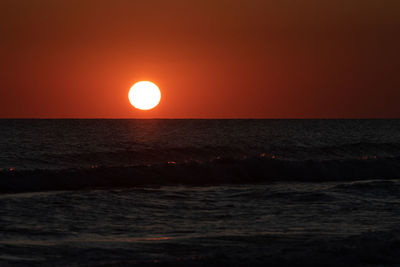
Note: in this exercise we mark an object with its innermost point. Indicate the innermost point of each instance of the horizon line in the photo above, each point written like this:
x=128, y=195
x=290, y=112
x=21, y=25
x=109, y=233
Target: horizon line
x=202, y=118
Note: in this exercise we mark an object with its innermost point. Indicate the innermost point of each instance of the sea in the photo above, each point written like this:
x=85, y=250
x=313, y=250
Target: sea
x=169, y=192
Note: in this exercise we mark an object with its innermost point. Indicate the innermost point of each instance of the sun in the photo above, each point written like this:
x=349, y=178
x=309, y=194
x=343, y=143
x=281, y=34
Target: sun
x=144, y=95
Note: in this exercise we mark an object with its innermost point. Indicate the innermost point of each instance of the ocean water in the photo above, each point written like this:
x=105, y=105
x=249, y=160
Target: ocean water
x=199, y=192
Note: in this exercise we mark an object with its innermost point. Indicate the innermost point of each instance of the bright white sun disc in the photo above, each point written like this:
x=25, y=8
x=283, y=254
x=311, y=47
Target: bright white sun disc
x=144, y=95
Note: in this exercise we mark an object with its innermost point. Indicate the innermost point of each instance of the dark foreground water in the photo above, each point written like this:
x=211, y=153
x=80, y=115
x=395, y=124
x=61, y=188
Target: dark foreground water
x=199, y=192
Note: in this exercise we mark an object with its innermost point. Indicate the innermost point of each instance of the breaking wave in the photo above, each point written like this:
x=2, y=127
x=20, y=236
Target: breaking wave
x=213, y=172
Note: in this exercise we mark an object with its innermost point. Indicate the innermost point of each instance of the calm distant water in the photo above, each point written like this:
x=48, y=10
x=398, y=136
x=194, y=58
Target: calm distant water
x=212, y=192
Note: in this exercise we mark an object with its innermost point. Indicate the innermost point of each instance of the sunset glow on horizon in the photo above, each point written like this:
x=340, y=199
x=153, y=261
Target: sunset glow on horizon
x=216, y=59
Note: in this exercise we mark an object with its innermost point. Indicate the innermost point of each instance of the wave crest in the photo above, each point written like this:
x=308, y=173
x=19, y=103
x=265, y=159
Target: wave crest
x=217, y=171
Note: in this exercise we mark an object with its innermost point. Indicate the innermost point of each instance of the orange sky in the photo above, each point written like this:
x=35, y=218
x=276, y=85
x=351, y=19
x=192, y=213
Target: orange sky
x=210, y=58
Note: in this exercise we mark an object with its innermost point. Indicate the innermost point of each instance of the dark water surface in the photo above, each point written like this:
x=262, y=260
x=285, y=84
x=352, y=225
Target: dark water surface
x=199, y=192
x=355, y=223
x=63, y=144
